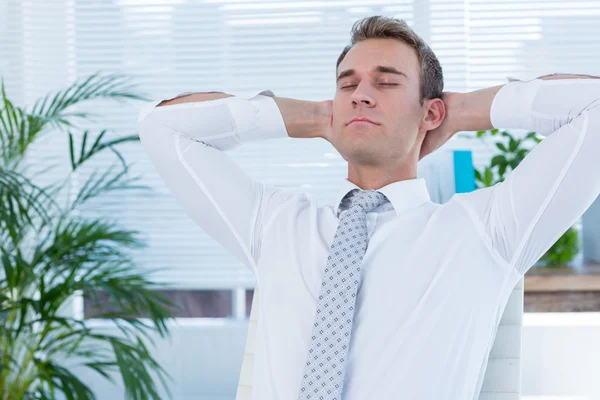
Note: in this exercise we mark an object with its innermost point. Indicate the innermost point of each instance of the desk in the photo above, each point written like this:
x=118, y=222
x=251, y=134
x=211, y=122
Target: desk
x=563, y=289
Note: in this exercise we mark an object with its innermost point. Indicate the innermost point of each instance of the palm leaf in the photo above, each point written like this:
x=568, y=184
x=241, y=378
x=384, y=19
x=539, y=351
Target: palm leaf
x=49, y=253
x=65, y=381
x=95, y=86
x=106, y=182
x=23, y=203
x=85, y=154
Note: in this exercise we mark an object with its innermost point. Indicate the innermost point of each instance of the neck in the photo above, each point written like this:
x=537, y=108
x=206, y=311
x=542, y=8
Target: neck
x=374, y=177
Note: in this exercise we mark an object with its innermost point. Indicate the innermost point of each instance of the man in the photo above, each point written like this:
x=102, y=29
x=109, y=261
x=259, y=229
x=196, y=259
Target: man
x=413, y=315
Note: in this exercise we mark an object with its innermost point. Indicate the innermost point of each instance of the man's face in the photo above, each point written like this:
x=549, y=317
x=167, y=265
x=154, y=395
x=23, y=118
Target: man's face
x=390, y=100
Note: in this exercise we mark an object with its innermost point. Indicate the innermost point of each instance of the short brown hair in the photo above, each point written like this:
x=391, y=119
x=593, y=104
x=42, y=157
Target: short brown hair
x=431, y=76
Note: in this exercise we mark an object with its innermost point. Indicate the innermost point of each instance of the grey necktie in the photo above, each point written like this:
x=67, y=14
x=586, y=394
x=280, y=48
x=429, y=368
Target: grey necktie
x=325, y=367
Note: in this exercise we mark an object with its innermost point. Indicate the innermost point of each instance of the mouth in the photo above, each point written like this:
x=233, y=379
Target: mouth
x=361, y=122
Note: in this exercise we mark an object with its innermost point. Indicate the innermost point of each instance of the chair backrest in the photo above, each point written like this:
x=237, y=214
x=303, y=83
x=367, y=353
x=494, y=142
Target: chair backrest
x=502, y=378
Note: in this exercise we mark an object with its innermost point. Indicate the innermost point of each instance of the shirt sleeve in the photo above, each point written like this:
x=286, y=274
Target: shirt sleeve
x=556, y=182
x=186, y=144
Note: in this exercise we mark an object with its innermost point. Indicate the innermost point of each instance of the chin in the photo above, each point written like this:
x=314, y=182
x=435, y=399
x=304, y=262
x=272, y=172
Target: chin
x=362, y=154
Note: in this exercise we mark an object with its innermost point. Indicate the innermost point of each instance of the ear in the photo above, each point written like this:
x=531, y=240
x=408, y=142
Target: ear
x=434, y=114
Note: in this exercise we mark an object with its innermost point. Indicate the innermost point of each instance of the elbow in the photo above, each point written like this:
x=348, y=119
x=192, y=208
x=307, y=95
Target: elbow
x=146, y=110
x=144, y=122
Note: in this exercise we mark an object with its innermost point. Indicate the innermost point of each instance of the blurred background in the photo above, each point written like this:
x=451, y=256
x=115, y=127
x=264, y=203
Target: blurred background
x=290, y=47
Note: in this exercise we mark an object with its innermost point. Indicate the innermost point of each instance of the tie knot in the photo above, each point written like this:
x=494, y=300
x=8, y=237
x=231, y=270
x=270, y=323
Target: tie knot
x=366, y=199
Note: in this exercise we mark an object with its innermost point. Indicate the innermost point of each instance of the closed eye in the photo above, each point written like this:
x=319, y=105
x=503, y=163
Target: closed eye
x=384, y=84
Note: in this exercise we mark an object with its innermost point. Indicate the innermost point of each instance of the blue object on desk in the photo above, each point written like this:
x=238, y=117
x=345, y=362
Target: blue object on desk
x=464, y=173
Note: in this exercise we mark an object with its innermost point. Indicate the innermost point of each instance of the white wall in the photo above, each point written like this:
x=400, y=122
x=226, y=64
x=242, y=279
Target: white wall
x=561, y=356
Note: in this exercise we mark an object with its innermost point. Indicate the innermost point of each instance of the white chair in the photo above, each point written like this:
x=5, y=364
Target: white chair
x=502, y=379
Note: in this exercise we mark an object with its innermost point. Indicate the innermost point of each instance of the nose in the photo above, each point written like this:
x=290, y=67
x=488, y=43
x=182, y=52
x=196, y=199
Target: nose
x=365, y=101
x=361, y=96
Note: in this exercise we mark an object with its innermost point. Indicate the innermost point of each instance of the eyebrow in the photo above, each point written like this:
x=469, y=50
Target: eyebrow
x=379, y=69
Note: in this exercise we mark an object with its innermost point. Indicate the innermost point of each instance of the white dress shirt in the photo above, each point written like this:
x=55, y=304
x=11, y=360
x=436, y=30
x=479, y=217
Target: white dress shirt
x=436, y=276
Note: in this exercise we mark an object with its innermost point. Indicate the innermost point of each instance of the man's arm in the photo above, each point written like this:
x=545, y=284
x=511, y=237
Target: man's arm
x=186, y=139
x=560, y=177
x=302, y=118
x=475, y=107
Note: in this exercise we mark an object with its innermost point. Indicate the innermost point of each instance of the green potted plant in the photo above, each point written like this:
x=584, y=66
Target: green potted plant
x=510, y=152
x=50, y=253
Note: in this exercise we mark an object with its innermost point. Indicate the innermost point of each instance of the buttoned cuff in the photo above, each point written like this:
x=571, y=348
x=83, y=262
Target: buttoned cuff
x=257, y=117
x=255, y=114
x=512, y=107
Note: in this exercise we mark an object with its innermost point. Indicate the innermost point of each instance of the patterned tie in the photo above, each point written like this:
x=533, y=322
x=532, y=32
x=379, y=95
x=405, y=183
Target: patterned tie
x=325, y=366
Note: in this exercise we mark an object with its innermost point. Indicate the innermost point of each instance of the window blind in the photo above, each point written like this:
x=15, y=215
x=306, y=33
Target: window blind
x=290, y=47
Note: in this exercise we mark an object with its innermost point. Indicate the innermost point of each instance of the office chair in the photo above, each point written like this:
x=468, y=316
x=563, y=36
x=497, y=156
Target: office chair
x=501, y=377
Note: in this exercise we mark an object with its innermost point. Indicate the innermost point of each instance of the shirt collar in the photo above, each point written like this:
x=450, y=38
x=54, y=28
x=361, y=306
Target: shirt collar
x=403, y=195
